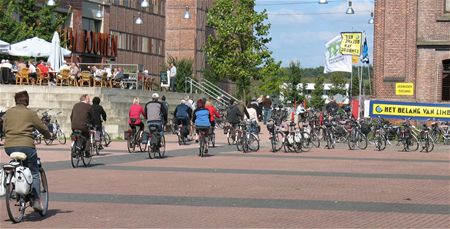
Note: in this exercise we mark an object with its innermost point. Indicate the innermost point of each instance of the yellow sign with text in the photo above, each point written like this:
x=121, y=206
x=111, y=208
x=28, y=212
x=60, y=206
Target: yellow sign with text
x=351, y=43
x=406, y=110
x=404, y=89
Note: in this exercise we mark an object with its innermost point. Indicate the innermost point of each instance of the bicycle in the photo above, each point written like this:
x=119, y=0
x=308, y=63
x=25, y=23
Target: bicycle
x=380, y=139
x=181, y=137
x=356, y=137
x=78, y=150
x=329, y=136
x=276, y=136
x=156, y=144
x=425, y=139
x=136, y=138
x=246, y=140
x=212, y=137
x=407, y=138
x=18, y=200
x=203, y=140
x=56, y=132
x=94, y=140
x=105, y=137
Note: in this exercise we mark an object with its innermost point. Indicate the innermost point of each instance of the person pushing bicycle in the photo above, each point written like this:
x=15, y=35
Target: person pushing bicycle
x=18, y=125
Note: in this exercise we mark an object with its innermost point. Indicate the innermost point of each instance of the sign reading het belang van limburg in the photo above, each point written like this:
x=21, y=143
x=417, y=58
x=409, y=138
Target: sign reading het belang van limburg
x=402, y=110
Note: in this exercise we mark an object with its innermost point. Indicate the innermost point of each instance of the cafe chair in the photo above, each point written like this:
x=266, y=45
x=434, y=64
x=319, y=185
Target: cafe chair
x=22, y=77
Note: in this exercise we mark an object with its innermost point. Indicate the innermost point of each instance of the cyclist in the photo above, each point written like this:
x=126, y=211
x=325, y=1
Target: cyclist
x=201, y=119
x=18, y=125
x=253, y=118
x=80, y=118
x=134, y=115
x=155, y=112
x=182, y=115
x=98, y=116
x=213, y=113
x=235, y=115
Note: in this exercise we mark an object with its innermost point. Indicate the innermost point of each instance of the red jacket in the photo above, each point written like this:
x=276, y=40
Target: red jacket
x=212, y=112
x=135, y=112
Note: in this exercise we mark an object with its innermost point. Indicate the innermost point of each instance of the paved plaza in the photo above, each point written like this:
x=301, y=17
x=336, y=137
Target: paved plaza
x=321, y=188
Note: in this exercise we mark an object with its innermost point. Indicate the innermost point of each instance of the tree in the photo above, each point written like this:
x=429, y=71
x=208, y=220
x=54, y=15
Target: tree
x=271, y=79
x=293, y=79
x=316, y=95
x=20, y=20
x=338, y=80
x=184, y=70
x=238, y=49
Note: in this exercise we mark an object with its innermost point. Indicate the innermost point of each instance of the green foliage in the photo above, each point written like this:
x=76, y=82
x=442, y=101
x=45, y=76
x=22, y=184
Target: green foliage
x=316, y=95
x=238, y=50
x=292, y=79
x=184, y=71
x=271, y=79
x=338, y=79
x=34, y=21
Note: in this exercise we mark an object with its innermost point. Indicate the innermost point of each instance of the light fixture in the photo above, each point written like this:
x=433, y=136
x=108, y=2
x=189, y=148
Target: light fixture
x=99, y=12
x=138, y=20
x=51, y=3
x=371, y=21
x=144, y=4
x=186, y=13
x=350, y=9
x=323, y=1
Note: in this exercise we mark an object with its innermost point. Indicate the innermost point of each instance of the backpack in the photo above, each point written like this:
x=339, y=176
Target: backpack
x=182, y=111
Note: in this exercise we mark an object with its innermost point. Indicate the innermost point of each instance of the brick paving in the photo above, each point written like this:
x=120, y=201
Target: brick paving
x=321, y=188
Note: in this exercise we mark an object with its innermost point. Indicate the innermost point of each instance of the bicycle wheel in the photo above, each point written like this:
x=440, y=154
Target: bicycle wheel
x=380, y=143
x=142, y=145
x=428, y=144
x=230, y=139
x=61, y=137
x=131, y=146
x=213, y=139
x=315, y=140
x=412, y=144
x=150, y=149
x=240, y=143
x=15, y=203
x=361, y=141
x=351, y=141
x=87, y=158
x=48, y=141
x=106, y=139
x=180, y=139
x=306, y=142
x=277, y=141
x=201, y=150
x=253, y=142
x=162, y=149
x=44, y=195
x=75, y=161
x=97, y=148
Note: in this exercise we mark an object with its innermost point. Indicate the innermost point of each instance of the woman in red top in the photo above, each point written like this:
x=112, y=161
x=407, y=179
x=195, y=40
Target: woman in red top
x=134, y=115
x=212, y=113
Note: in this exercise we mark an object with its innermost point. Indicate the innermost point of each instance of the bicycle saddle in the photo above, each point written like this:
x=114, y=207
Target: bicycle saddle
x=18, y=156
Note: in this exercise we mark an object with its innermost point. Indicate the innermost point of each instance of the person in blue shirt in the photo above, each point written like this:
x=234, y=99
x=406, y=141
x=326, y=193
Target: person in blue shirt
x=201, y=118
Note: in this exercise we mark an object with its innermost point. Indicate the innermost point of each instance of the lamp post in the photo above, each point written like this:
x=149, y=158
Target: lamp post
x=51, y=3
x=144, y=4
x=138, y=20
x=186, y=13
x=323, y=1
x=350, y=9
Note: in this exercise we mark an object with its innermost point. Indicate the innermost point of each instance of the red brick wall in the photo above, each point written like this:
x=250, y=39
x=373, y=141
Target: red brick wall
x=404, y=32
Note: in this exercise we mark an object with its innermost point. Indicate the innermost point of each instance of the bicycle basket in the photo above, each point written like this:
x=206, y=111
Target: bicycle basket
x=23, y=180
x=270, y=126
x=144, y=138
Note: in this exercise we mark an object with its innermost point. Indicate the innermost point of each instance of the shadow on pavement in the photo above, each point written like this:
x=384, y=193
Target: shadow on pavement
x=51, y=212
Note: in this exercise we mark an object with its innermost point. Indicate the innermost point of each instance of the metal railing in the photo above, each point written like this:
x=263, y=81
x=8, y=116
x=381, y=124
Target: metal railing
x=210, y=89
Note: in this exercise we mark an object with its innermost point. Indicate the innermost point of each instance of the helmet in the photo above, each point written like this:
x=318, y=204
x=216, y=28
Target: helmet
x=155, y=96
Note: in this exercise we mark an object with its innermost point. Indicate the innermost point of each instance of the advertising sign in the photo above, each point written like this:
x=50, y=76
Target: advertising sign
x=165, y=81
x=402, y=110
x=404, y=88
x=334, y=60
x=351, y=43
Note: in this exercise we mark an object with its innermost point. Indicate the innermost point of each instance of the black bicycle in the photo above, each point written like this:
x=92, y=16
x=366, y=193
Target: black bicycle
x=156, y=144
x=80, y=150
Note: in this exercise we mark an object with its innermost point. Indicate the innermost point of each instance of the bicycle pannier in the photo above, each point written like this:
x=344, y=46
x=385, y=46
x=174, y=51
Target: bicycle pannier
x=23, y=180
x=2, y=183
x=144, y=137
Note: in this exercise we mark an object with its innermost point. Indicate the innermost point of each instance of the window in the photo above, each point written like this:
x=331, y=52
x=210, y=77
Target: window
x=447, y=6
x=446, y=88
x=144, y=45
x=91, y=24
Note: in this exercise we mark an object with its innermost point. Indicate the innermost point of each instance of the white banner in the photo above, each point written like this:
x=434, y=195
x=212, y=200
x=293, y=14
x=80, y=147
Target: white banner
x=334, y=60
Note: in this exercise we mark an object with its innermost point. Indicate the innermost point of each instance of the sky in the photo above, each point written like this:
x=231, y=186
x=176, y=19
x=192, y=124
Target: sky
x=300, y=28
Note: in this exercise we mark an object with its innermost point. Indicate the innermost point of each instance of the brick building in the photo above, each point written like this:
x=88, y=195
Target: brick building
x=412, y=44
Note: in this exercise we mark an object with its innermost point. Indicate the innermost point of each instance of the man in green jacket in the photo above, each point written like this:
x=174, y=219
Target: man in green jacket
x=18, y=125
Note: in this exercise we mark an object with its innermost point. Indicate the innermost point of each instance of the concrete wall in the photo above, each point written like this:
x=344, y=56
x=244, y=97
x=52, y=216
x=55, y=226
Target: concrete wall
x=116, y=102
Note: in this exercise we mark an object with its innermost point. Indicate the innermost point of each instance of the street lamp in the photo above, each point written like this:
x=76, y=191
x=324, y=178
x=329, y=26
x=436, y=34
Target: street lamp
x=186, y=13
x=144, y=4
x=350, y=9
x=138, y=20
x=99, y=12
x=323, y=1
x=371, y=21
x=51, y=3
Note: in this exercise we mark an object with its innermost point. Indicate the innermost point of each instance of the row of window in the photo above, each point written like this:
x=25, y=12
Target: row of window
x=155, y=6
x=447, y=6
x=136, y=43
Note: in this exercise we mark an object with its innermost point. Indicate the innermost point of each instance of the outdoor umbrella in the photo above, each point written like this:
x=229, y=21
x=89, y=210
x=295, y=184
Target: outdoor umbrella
x=4, y=46
x=34, y=47
x=56, y=53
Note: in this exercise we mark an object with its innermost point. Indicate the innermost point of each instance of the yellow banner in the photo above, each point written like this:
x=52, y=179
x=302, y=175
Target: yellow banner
x=351, y=44
x=403, y=110
x=355, y=59
x=404, y=88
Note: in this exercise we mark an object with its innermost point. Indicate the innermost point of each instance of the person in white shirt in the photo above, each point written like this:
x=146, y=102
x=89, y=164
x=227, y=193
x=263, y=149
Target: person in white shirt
x=253, y=117
x=173, y=74
x=32, y=72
